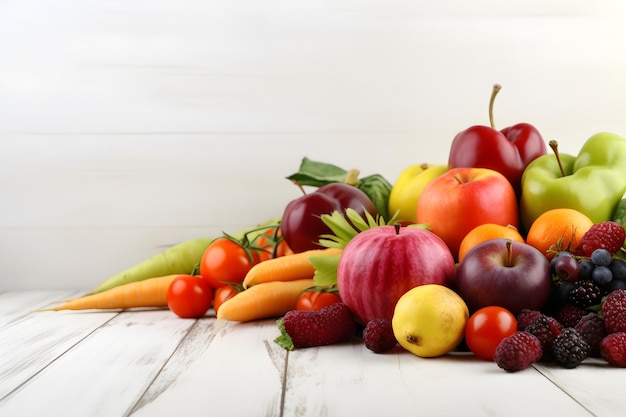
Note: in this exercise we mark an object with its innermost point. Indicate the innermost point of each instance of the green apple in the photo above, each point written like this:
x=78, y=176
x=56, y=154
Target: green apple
x=406, y=191
x=592, y=182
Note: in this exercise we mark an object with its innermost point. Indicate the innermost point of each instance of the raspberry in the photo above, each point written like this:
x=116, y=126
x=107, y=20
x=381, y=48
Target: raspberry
x=613, y=349
x=614, y=311
x=526, y=317
x=591, y=328
x=517, y=351
x=308, y=328
x=569, y=348
x=569, y=314
x=585, y=293
x=606, y=235
x=378, y=336
x=545, y=329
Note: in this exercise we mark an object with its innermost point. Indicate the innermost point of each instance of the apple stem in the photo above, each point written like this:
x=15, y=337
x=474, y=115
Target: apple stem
x=509, y=253
x=458, y=178
x=494, y=92
x=352, y=177
x=299, y=186
x=397, y=226
x=555, y=148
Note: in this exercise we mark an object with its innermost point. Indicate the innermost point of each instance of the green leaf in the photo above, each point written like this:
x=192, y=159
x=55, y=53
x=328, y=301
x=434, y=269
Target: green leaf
x=331, y=241
x=378, y=190
x=284, y=340
x=420, y=226
x=359, y=223
x=325, y=269
x=338, y=224
x=318, y=174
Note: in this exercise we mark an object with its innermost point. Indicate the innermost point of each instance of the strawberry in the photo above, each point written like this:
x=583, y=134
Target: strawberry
x=308, y=328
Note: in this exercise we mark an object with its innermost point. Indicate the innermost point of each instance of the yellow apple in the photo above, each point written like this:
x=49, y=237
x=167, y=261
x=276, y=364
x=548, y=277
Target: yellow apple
x=406, y=191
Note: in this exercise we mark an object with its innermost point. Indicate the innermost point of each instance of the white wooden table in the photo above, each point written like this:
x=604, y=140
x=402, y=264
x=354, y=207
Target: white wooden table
x=152, y=363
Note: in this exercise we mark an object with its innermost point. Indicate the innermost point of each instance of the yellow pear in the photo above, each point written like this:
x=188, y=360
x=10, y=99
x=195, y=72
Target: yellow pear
x=429, y=320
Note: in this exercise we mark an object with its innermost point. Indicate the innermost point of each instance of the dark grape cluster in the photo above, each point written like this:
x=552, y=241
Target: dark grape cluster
x=583, y=281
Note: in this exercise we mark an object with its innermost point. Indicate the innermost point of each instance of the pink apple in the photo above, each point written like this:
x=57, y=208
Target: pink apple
x=463, y=198
x=380, y=264
x=505, y=273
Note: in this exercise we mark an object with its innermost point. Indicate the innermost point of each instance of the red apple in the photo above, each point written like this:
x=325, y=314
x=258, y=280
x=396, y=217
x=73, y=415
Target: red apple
x=380, y=264
x=301, y=222
x=463, y=198
x=508, y=151
x=504, y=273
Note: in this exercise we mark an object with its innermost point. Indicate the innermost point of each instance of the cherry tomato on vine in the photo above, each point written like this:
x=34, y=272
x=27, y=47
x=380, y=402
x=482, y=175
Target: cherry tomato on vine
x=268, y=247
x=315, y=300
x=486, y=328
x=225, y=261
x=221, y=294
x=189, y=296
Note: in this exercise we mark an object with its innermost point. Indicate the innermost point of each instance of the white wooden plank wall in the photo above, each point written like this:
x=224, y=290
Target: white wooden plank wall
x=126, y=127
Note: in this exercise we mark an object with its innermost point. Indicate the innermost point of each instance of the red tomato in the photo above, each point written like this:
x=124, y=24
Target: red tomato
x=486, y=328
x=189, y=296
x=226, y=261
x=269, y=249
x=223, y=293
x=315, y=300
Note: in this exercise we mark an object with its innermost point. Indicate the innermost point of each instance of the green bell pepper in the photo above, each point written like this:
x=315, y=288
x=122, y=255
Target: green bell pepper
x=592, y=183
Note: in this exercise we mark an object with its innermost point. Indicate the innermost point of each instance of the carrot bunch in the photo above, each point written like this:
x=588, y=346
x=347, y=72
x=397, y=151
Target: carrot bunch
x=151, y=292
x=272, y=287
x=269, y=289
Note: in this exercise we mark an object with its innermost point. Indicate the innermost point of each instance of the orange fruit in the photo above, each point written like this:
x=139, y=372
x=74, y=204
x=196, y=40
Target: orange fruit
x=485, y=232
x=557, y=230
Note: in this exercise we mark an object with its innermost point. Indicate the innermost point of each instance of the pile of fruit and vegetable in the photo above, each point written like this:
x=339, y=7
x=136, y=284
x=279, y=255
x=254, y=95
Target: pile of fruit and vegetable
x=508, y=251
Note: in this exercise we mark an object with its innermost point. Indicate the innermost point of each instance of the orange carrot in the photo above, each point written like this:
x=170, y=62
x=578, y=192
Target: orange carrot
x=286, y=268
x=262, y=301
x=151, y=292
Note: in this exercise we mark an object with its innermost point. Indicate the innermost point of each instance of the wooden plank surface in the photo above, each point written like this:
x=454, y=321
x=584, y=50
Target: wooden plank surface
x=105, y=373
x=341, y=380
x=152, y=363
x=233, y=370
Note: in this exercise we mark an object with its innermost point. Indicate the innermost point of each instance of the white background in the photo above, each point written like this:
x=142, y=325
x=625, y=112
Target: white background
x=129, y=126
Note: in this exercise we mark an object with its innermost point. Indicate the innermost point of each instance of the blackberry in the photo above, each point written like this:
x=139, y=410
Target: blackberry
x=591, y=328
x=569, y=348
x=526, y=317
x=517, y=351
x=585, y=293
x=545, y=332
x=569, y=314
